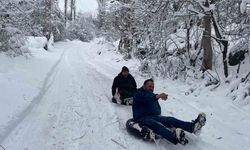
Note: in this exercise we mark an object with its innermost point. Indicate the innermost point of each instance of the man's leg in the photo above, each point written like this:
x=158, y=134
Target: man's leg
x=126, y=94
x=158, y=128
x=173, y=122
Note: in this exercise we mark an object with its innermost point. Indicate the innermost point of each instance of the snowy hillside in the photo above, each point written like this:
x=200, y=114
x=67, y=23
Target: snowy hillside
x=61, y=100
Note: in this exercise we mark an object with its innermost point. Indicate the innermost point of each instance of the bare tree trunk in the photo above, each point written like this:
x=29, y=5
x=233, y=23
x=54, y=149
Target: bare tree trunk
x=188, y=26
x=224, y=42
x=224, y=52
x=101, y=13
x=125, y=44
x=47, y=21
x=206, y=42
x=71, y=9
x=74, y=9
x=65, y=11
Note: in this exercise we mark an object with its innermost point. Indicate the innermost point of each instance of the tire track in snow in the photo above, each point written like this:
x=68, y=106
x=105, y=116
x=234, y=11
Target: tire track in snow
x=100, y=115
x=46, y=85
x=120, y=113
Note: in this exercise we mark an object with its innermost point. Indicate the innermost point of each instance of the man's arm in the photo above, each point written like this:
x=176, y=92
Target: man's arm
x=163, y=96
x=114, y=86
x=134, y=83
x=144, y=98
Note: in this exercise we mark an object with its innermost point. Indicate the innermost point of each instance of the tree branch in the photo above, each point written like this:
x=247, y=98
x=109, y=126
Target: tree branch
x=2, y=147
x=244, y=79
x=119, y=144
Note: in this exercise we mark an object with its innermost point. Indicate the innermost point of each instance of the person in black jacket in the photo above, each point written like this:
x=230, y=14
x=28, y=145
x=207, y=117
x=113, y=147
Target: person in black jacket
x=124, y=84
x=147, y=112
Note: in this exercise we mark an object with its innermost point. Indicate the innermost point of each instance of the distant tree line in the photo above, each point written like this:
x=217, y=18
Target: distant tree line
x=22, y=18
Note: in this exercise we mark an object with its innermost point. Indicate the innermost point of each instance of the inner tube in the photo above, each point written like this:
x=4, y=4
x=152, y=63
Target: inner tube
x=141, y=132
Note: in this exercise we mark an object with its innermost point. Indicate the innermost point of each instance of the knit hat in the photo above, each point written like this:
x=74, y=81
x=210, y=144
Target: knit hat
x=124, y=68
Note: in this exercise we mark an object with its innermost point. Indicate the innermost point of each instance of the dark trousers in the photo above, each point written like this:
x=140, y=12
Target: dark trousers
x=162, y=125
x=126, y=93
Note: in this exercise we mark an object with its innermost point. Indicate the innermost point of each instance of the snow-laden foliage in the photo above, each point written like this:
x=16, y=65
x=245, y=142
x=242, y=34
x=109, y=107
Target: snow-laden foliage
x=11, y=37
x=240, y=89
x=82, y=28
x=12, y=42
x=32, y=20
x=243, y=5
x=174, y=32
x=22, y=18
x=173, y=38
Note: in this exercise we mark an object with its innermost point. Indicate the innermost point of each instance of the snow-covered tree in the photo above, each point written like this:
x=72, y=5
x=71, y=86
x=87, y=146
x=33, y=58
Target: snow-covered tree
x=172, y=37
x=81, y=28
x=12, y=39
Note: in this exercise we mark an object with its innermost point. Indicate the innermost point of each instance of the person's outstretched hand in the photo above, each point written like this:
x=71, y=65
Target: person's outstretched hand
x=163, y=96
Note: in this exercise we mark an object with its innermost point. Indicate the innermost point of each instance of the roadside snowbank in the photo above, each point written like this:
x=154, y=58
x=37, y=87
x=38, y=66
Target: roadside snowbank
x=21, y=80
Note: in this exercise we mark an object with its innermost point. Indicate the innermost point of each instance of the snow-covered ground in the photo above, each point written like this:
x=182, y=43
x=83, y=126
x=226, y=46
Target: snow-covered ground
x=61, y=100
x=23, y=82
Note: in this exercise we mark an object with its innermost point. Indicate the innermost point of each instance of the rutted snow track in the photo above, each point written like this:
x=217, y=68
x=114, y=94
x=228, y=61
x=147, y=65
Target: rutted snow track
x=73, y=112
x=47, y=83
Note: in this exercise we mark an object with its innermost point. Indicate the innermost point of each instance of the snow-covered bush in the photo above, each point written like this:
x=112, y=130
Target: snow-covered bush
x=33, y=22
x=12, y=42
x=82, y=28
x=240, y=89
x=77, y=31
x=12, y=39
x=243, y=5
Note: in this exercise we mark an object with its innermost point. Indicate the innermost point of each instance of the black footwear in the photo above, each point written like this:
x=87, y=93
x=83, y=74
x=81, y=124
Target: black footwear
x=179, y=134
x=198, y=123
x=114, y=100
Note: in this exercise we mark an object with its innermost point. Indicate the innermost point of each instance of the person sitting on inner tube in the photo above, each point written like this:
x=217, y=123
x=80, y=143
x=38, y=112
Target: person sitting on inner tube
x=147, y=112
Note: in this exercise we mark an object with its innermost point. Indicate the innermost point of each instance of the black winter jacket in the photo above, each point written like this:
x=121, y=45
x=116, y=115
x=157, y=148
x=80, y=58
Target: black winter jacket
x=123, y=83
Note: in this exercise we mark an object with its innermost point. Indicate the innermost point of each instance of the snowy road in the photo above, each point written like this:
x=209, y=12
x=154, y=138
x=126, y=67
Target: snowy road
x=73, y=111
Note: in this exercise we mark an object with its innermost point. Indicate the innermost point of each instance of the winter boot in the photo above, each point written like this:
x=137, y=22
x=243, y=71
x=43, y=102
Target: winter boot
x=198, y=123
x=179, y=134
